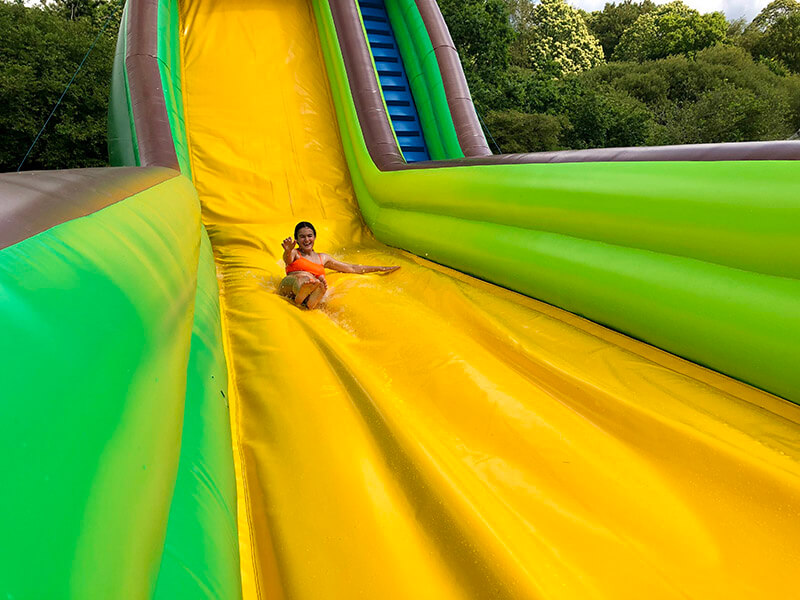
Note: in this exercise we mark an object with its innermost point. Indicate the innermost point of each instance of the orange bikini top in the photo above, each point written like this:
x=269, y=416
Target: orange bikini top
x=303, y=264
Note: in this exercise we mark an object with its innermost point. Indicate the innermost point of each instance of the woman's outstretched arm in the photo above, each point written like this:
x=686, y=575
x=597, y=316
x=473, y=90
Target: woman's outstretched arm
x=288, y=250
x=342, y=267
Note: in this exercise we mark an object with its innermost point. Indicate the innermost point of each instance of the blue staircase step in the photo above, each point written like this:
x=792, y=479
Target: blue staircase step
x=393, y=80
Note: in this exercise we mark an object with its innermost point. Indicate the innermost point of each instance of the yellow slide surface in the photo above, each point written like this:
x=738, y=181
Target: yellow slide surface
x=428, y=435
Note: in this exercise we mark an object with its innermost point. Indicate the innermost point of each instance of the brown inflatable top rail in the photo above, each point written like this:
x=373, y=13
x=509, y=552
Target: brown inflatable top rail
x=156, y=147
x=468, y=129
x=34, y=201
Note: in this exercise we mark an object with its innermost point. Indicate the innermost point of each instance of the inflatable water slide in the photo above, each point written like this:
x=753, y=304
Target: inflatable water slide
x=581, y=383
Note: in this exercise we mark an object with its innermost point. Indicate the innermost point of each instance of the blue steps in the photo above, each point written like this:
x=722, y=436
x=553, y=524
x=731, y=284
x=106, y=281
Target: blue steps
x=393, y=80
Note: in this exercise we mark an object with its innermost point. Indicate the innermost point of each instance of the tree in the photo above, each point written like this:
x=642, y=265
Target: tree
x=603, y=117
x=722, y=95
x=516, y=131
x=39, y=52
x=96, y=12
x=716, y=94
x=482, y=33
x=775, y=35
x=736, y=28
x=609, y=24
x=554, y=40
x=72, y=9
x=781, y=42
x=774, y=12
x=727, y=113
x=672, y=28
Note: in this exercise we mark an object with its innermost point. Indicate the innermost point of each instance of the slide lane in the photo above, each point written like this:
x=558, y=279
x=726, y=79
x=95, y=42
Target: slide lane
x=428, y=435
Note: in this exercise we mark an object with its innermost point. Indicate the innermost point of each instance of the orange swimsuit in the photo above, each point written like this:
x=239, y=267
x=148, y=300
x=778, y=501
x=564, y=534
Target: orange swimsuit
x=309, y=266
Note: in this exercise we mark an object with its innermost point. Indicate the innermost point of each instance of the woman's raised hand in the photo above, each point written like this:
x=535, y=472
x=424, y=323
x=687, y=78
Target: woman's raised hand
x=288, y=244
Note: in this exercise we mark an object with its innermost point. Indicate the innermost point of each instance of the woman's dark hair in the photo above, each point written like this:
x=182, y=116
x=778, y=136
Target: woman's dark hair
x=301, y=225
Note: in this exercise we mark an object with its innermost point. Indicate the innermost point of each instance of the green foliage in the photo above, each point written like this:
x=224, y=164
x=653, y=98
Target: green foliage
x=553, y=39
x=39, y=52
x=720, y=96
x=519, y=15
x=774, y=65
x=516, y=131
x=775, y=34
x=609, y=24
x=534, y=69
x=742, y=34
x=697, y=91
x=604, y=117
x=672, y=28
x=482, y=33
x=527, y=91
x=736, y=28
x=774, y=12
x=96, y=11
x=727, y=113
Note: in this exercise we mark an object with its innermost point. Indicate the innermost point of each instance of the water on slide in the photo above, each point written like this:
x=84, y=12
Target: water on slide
x=428, y=435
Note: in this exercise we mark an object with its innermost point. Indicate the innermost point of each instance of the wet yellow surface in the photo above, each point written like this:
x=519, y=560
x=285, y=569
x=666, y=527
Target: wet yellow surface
x=428, y=435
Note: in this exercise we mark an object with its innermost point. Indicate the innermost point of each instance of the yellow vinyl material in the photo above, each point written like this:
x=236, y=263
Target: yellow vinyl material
x=428, y=435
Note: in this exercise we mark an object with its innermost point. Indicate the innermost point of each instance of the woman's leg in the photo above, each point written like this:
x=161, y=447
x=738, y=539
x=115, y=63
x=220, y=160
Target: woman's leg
x=300, y=287
x=306, y=287
x=288, y=286
x=315, y=296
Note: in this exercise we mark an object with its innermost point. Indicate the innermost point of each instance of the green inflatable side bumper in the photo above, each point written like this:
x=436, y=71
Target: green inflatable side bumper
x=96, y=319
x=201, y=553
x=697, y=258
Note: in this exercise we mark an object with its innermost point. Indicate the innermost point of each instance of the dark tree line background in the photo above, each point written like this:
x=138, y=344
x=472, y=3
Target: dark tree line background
x=40, y=48
x=544, y=75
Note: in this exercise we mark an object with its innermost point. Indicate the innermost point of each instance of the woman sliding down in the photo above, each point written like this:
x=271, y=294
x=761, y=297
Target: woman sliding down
x=305, y=269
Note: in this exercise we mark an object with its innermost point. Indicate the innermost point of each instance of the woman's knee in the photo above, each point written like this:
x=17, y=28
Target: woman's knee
x=286, y=287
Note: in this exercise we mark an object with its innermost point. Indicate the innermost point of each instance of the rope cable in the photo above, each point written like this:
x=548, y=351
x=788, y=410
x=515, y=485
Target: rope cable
x=491, y=137
x=74, y=75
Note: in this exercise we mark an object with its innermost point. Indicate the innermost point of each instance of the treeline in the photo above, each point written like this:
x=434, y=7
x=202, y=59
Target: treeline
x=40, y=48
x=544, y=75
x=547, y=76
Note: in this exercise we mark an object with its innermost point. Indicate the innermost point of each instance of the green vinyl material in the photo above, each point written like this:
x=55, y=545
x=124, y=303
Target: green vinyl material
x=201, y=553
x=708, y=311
x=96, y=315
x=695, y=258
x=742, y=214
x=425, y=79
x=123, y=149
x=169, y=67
x=422, y=99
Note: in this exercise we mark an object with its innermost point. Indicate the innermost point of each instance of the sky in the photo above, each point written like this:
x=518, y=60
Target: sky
x=733, y=9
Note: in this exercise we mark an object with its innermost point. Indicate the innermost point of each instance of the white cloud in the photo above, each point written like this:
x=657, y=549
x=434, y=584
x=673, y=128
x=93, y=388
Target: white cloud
x=733, y=9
